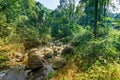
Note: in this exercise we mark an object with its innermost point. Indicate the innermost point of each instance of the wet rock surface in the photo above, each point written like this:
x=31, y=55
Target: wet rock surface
x=21, y=73
x=16, y=73
x=2, y=74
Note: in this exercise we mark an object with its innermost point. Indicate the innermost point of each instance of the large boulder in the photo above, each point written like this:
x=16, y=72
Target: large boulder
x=59, y=63
x=35, y=61
x=67, y=50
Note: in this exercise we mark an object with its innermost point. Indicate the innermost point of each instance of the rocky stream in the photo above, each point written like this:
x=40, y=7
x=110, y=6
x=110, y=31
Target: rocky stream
x=37, y=63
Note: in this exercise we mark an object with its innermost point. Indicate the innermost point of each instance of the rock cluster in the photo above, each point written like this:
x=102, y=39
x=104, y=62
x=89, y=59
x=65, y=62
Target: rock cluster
x=38, y=62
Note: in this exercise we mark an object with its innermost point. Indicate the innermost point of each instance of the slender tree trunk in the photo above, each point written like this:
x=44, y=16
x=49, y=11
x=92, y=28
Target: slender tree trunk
x=95, y=19
x=104, y=15
x=104, y=9
x=95, y=28
x=86, y=18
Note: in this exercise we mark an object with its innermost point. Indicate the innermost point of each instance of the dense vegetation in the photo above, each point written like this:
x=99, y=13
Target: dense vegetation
x=89, y=27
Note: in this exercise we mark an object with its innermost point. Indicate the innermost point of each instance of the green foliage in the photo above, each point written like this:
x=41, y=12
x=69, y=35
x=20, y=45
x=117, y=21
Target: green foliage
x=25, y=24
x=3, y=60
x=51, y=74
x=108, y=72
x=105, y=49
x=7, y=30
x=65, y=18
x=66, y=30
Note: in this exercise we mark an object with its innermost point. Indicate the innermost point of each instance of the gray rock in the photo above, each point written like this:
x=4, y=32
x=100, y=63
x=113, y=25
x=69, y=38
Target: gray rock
x=2, y=73
x=16, y=73
x=42, y=74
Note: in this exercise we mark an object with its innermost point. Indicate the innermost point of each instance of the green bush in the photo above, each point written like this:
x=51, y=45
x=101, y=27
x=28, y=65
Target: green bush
x=104, y=49
x=108, y=72
x=3, y=60
x=7, y=31
x=63, y=31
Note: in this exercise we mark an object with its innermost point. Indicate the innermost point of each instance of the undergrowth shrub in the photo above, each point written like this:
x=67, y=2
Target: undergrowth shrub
x=104, y=49
x=66, y=31
x=3, y=60
x=108, y=72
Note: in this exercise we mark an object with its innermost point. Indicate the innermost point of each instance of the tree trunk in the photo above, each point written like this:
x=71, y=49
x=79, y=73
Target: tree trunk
x=104, y=9
x=95, y=19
